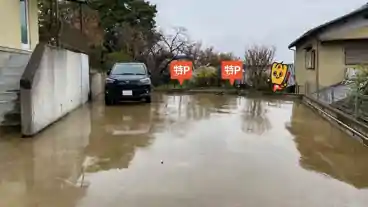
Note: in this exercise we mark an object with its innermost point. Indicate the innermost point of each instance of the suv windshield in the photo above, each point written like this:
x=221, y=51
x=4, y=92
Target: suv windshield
x=128, y=69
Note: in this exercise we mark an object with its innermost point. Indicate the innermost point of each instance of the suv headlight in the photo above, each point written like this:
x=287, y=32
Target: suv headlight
x=145, y=81
x=109, y=80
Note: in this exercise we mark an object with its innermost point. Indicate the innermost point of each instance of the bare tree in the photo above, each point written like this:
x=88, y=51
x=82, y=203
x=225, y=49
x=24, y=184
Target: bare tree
x=135, y=42
x=227, y=56
x=161, y=49
x=257, y=60
x=193, y=51
x=169, y=47
x=208, y=56
x=176, y=42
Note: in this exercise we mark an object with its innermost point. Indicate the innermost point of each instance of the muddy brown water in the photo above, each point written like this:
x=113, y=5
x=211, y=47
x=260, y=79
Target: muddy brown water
x=186, y=151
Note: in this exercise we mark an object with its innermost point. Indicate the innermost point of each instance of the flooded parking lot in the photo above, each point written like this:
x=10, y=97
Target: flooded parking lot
x=184, y=151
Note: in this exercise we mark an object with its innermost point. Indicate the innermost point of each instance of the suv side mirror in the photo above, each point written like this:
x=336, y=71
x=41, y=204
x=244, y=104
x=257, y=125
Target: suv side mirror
x=108, y=72
x=149, y=73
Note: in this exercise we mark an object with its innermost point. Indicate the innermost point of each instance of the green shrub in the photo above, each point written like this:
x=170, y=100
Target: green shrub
x=205, y=76
x=360, y=81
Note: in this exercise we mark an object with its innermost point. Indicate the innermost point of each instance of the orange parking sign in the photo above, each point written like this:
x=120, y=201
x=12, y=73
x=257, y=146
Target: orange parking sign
x=181, y=70
x=232, y=70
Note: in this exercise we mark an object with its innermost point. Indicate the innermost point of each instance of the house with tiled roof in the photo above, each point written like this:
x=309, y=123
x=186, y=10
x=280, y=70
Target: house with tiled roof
x=324, y=54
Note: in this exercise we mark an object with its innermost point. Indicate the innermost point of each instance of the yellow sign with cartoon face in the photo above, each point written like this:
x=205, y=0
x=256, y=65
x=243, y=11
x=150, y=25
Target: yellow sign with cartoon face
x=278, y=73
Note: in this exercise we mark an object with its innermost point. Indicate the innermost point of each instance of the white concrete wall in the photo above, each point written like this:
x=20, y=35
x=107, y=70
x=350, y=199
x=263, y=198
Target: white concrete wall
x=60, y=85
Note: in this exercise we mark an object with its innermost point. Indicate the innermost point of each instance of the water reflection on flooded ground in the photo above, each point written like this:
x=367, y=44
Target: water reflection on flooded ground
x=186, y=150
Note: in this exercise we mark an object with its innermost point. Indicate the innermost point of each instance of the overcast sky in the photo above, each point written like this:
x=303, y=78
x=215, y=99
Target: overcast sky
x=231, y=25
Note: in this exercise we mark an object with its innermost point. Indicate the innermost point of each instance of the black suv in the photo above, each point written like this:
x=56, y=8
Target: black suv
x=128, y=81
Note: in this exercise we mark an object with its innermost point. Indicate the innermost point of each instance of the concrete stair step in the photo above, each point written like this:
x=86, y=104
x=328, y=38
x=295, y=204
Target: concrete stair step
x=10, y=123
x=12, y=66
x=10, y=80
x=15, y=81
x=4, y=86
x=12, y=71
x=9, y=112
x=9, y=106
x=18, y=60
x=12, y=117
x=8, y=96
x=10, y=75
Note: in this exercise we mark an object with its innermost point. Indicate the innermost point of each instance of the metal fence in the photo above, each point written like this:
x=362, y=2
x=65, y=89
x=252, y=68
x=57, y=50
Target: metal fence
x=340, y=96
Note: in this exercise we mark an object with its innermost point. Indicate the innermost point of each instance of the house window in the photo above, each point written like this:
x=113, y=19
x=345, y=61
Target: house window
x=310, y=56
x=24, y=24
x=356, y=54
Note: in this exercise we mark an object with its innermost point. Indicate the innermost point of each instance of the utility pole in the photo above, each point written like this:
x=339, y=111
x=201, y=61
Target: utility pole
x=57, y=21
x=81, y=16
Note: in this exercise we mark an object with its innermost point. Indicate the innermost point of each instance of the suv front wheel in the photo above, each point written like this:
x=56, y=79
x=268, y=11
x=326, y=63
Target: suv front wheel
x=108, y=101
x=148, y=99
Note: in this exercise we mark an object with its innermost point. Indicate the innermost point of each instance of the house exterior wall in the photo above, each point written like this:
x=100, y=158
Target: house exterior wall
x=33, y=23
x=331, y=64
x=302, y=74
x=10, y=35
